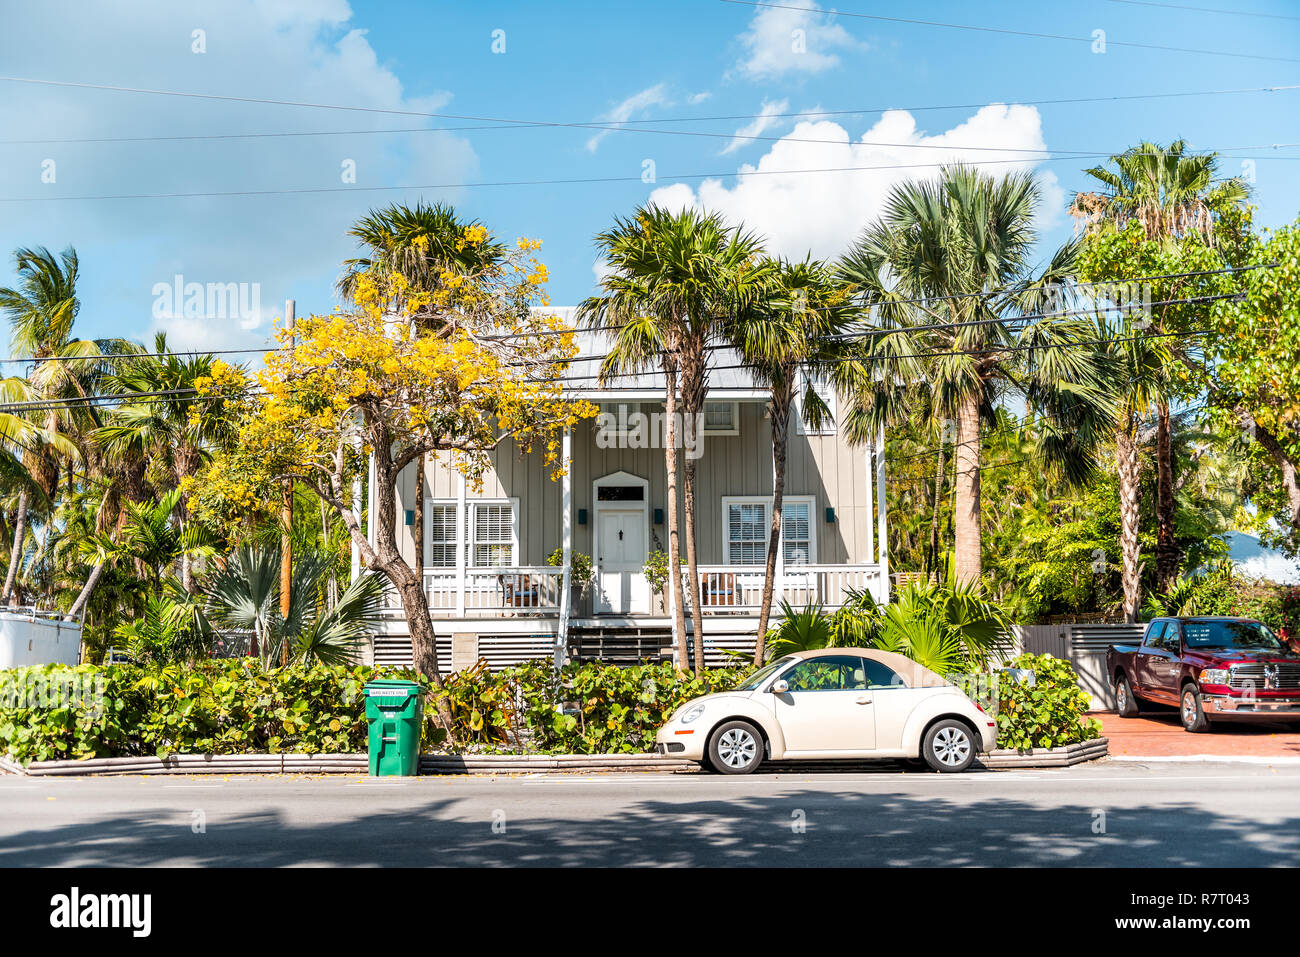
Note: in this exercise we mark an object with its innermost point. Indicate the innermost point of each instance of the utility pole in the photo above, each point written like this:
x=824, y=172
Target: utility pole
x=286, y=541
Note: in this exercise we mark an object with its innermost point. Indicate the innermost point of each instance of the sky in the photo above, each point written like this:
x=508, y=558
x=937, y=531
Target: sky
x=528, y=95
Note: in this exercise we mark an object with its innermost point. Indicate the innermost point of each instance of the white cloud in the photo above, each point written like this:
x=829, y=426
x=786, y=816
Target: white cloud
x=600, y=269
x=700, y=97
x=286, y=244
x=823, y=212
x=766, y=119
x=634, y=104
x=782, y=40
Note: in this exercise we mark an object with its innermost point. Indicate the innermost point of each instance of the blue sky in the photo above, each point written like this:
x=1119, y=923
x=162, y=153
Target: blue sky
x=574, y=62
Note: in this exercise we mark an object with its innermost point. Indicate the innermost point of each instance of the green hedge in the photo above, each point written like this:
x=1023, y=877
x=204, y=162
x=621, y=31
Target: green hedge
x=56, y=712
x=1048, y=713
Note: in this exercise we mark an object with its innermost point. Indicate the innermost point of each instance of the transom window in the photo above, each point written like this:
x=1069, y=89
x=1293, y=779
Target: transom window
x=721, y=418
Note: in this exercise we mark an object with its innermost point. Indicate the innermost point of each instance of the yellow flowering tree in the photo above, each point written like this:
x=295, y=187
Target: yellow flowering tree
x=461, y=368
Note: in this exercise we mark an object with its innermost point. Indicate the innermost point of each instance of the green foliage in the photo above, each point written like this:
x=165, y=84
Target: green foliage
x=581, y=571
x=656, y=570
x=213, y=707
x=1046, y=714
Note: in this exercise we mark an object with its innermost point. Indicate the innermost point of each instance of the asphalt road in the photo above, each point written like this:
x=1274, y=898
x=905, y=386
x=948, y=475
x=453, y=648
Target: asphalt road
x=1106, y=814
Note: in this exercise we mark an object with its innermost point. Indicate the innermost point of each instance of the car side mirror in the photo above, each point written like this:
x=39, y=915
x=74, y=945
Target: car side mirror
x=780, y=687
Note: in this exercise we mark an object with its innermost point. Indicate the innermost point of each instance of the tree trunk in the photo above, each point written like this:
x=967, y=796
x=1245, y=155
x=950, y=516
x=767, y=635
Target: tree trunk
x=969, y=543
x=780, y=443
x=417, y=526
x=1167, y=557
x=1289, y=469
x=83, y=598
x=693, y=390
x=1130, y=491
x=932, y=561
x=16, y=552
x=674, y=531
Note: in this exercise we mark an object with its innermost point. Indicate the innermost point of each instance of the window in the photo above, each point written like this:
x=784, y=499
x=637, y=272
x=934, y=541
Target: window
x=721, y=418
x=796, y=532
x=830, y=673
x=441, y=540
x=824, y=392
x=1231, y=634
x=746, y=522
x=492, y=534
x=1155, y=633
x=747, y=526
x=622, y=418
x=880, y=675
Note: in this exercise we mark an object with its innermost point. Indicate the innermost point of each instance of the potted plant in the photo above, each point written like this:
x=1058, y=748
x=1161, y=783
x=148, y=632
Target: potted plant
x=656, y=576
x=581, y=573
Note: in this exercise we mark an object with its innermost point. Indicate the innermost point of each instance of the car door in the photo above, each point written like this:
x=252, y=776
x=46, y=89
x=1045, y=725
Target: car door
x=1148, y=653
x=828, y=708
x=1158, y=662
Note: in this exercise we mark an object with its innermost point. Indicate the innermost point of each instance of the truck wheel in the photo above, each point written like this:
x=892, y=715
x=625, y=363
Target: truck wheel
x=1190, y=711
x=1126, y=704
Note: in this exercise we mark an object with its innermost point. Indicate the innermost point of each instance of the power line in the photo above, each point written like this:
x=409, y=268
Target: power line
x=1180, y=6
x=121, y=356
x=1015, y=33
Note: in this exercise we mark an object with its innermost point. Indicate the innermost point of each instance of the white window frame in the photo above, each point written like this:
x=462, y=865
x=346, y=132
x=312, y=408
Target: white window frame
x=735, y=418
x=471, y=531
x=429, y=505
x=827, y=393
x=766, y=502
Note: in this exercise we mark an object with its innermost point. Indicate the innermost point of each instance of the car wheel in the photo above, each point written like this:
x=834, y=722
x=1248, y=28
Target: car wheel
x=736, y=748
x=948, y=746
x=1190, y=711
x=1125, y=704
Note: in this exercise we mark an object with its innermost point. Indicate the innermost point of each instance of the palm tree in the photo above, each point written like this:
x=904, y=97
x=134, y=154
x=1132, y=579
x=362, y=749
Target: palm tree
x=171, y=431
x=676, y=281
x=1139, y=378
x=1173, y=194
x=784, y=334
x=947, y=269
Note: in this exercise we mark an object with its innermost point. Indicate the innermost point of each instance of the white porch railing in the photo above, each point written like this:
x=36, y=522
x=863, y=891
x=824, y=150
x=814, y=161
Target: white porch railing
x=726, y=588
x=532, y=589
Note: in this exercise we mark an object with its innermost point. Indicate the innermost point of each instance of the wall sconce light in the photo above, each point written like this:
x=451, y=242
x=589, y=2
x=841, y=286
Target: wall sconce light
x=830, y=515
x=582, y=516
x=659, y=516
x=410, y=516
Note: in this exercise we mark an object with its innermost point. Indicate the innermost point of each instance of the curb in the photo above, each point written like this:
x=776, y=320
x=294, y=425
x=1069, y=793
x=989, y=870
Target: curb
x=1062, y=757
x=432, y=764
x=1208, y=759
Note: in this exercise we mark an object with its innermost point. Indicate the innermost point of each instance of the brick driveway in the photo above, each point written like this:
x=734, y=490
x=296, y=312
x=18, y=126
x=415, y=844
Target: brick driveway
x=1158, y=734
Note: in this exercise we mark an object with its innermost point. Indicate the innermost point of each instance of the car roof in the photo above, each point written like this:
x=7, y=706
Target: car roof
x=1207, y=618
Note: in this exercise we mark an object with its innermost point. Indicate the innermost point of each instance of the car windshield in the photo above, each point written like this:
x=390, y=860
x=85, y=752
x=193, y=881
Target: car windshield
x=754, y=681
x=1230, y=634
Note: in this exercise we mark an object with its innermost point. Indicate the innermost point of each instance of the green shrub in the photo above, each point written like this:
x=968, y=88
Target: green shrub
x=217, y=707
x=1046, y=714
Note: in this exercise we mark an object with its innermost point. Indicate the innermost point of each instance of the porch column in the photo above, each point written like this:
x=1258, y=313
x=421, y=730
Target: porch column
x=566, y=547
x=882, y=530
x=462, y=542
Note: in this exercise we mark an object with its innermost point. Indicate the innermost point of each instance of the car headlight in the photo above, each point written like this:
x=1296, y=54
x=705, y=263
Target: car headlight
x=1214, y=676
x=690, y=714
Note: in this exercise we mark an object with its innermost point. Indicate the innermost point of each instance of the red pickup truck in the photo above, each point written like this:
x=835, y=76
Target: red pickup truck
x=1211, y=669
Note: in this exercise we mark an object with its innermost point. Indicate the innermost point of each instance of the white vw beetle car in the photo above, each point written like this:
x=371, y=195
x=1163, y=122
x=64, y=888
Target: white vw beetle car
x=832, y=703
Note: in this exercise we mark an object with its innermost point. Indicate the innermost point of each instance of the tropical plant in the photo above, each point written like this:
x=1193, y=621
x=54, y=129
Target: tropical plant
x=675, y=282
x=581, y=571
x=962, y=326
x=1049, y=711
x=785, y=333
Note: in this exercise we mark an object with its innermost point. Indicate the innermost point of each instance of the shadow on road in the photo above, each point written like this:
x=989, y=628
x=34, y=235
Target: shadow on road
x=839, y=827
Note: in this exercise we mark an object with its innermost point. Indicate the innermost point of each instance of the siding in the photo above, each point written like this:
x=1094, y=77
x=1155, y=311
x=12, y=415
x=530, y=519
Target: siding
x=824, y=467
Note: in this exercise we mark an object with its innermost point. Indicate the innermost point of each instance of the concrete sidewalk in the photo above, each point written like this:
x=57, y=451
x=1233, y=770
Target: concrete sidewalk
x=1159, y=734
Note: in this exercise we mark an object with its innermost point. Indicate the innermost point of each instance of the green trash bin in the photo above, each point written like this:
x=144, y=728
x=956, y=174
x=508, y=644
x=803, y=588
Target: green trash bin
x=394, y=709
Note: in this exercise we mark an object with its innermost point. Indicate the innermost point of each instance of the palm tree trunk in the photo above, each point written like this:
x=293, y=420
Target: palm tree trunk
x=692, y=405
x=780, y=443
x=1126, y=454
x=969, y=543
x=1167, y=556
x=15, y=553
x=83, y=598
x=674, y=531
x=932, y=559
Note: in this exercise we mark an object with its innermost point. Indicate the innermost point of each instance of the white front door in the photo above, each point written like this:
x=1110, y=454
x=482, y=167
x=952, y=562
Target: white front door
x=620, y=562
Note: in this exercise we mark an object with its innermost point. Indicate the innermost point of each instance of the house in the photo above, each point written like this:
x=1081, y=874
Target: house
x=493, y=594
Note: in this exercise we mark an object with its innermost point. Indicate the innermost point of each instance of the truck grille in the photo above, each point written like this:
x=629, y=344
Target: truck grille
x=1252, y=676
